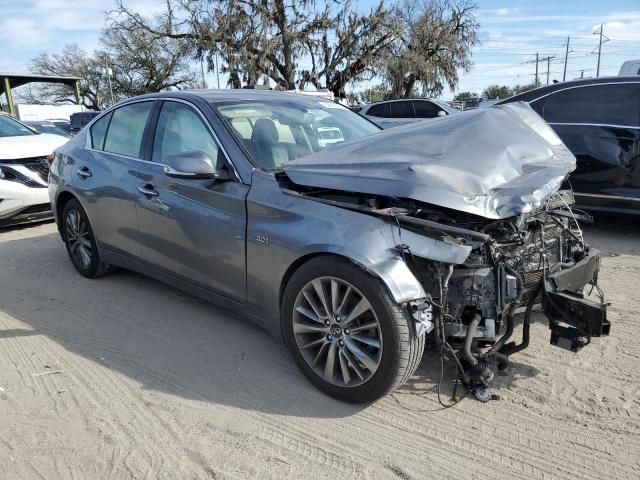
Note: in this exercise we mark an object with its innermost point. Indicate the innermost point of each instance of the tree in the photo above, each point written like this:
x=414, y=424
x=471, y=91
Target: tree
x=370, y=94
x=271, y=37
x=136, y=62
x=496, y=91
x=253, y=38
x=523, y=88
x=142, y=63
x=73, y=61
x=358, y=41
x=435, y=43
x=464, y=96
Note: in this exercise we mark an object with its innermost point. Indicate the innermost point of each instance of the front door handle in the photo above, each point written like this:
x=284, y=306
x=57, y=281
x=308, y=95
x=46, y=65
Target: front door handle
x=148, y=190
x=83, y=172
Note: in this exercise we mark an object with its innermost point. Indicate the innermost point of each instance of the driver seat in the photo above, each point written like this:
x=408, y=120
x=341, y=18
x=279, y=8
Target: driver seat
x=264, y=140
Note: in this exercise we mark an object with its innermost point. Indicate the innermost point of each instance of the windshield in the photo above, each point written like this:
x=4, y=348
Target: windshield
x=12, y=128
x=277, y=131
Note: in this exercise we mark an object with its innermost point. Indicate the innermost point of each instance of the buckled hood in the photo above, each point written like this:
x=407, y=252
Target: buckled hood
x=494, y=162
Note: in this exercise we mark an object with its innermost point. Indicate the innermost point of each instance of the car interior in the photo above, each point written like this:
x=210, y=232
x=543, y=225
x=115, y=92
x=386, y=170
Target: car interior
x=274, y=136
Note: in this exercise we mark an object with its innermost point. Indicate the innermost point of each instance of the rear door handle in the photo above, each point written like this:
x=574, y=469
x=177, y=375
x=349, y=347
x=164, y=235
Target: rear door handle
x=148, y=190
x=83, y=172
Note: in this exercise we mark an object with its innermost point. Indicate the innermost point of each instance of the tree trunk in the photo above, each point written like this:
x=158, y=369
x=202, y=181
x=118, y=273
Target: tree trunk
x=289, y=73
x=409, y=84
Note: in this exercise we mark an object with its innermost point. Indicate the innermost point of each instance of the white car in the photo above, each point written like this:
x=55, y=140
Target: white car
x=393, y=113
x=24, y=171
x=329, y=135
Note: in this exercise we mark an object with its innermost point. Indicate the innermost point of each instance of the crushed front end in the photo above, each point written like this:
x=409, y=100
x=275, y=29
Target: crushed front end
x=537, y=258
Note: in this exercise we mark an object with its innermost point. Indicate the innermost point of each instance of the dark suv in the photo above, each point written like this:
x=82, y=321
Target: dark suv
x=599, y=120
x=80, y=119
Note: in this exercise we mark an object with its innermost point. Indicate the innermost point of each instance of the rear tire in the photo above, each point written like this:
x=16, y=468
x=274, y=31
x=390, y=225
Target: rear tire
x=319, y=310
x=80, y=241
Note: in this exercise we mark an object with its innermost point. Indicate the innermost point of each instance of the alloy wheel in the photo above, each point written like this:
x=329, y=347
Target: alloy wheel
x=337, y=332
x=77, y=233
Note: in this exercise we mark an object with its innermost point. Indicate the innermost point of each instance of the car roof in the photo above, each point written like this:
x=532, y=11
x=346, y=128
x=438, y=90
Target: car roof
x=547, y=89
x=400, y=100
x=224, y=95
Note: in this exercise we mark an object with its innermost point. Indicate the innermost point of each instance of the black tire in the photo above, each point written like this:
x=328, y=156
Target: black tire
x=94, y=267
x=401, y=349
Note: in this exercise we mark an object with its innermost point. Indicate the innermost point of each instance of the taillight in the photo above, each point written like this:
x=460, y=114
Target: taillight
x=51, y=158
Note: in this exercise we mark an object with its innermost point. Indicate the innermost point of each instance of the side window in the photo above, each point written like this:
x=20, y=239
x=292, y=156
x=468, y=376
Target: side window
x=126, y=128
x=614, y=104
x=381, y=110
x=99, y=131
x=180, y=129
x=402, y=109
x=426, y=109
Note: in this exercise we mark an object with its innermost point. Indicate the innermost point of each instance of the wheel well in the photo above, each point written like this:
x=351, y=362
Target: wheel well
x=291, y=270
x=62, y=200
x=298, y=263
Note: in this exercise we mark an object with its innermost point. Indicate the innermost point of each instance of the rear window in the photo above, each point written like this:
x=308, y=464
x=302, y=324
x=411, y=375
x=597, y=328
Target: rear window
x=426, y=109
x=124, y=136
x=613, y=104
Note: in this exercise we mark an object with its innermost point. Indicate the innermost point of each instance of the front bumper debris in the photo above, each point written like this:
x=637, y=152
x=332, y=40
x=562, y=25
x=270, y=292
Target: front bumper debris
x=563, y=303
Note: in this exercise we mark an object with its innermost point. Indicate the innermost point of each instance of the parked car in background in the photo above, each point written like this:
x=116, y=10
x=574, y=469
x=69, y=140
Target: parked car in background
x=23, y=172
x=393, y=113
x=351, y=252
x=80, y=120
x=46, y=127
x=630, y=67
x=62, y=124
x=329, y=135
x=599, y=120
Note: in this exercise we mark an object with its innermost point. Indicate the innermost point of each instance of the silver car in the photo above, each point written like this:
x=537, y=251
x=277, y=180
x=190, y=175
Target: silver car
x=352, y=252
x=393, y=113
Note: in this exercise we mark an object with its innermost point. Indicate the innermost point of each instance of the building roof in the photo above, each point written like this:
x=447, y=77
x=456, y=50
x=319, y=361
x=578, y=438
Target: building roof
x=17, y=80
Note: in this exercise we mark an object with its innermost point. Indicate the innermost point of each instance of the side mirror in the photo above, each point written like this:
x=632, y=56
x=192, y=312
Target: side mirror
x=442, y=113
x=193, y=165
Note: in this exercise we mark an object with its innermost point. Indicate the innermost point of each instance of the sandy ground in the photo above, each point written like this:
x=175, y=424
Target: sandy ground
x=124, y=377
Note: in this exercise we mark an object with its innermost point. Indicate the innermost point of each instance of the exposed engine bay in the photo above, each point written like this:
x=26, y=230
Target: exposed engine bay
x=516, y=264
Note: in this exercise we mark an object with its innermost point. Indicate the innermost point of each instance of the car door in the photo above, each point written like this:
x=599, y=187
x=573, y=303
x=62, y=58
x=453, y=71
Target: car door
x=102, y=176
x=600, y=124
x=193, y=229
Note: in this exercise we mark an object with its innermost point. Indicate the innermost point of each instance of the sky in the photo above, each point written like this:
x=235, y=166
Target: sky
x=511, y=33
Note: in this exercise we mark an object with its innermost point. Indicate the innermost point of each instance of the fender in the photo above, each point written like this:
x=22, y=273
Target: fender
x=284, y=229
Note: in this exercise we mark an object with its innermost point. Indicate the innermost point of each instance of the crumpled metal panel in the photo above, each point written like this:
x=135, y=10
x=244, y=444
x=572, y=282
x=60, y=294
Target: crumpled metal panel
x=495, y=162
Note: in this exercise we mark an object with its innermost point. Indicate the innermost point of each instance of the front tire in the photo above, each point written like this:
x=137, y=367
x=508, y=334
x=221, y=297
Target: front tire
x=80, y=242
x=345, y=332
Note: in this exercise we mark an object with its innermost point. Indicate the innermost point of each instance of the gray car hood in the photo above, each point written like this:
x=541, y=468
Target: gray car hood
x=495, y=162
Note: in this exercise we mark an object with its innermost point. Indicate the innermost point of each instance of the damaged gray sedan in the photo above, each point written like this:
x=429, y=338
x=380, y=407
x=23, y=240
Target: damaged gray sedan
x=352, y=251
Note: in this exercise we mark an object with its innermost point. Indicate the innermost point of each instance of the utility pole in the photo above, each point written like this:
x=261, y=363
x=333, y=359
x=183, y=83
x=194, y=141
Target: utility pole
x=537, y=61
x=109, y=72
x=566, y=57
x=601, y=34
x=204, y=83
x=217, y=71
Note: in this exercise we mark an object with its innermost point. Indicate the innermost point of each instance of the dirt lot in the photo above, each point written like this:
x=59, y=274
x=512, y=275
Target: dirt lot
x=124, y=377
